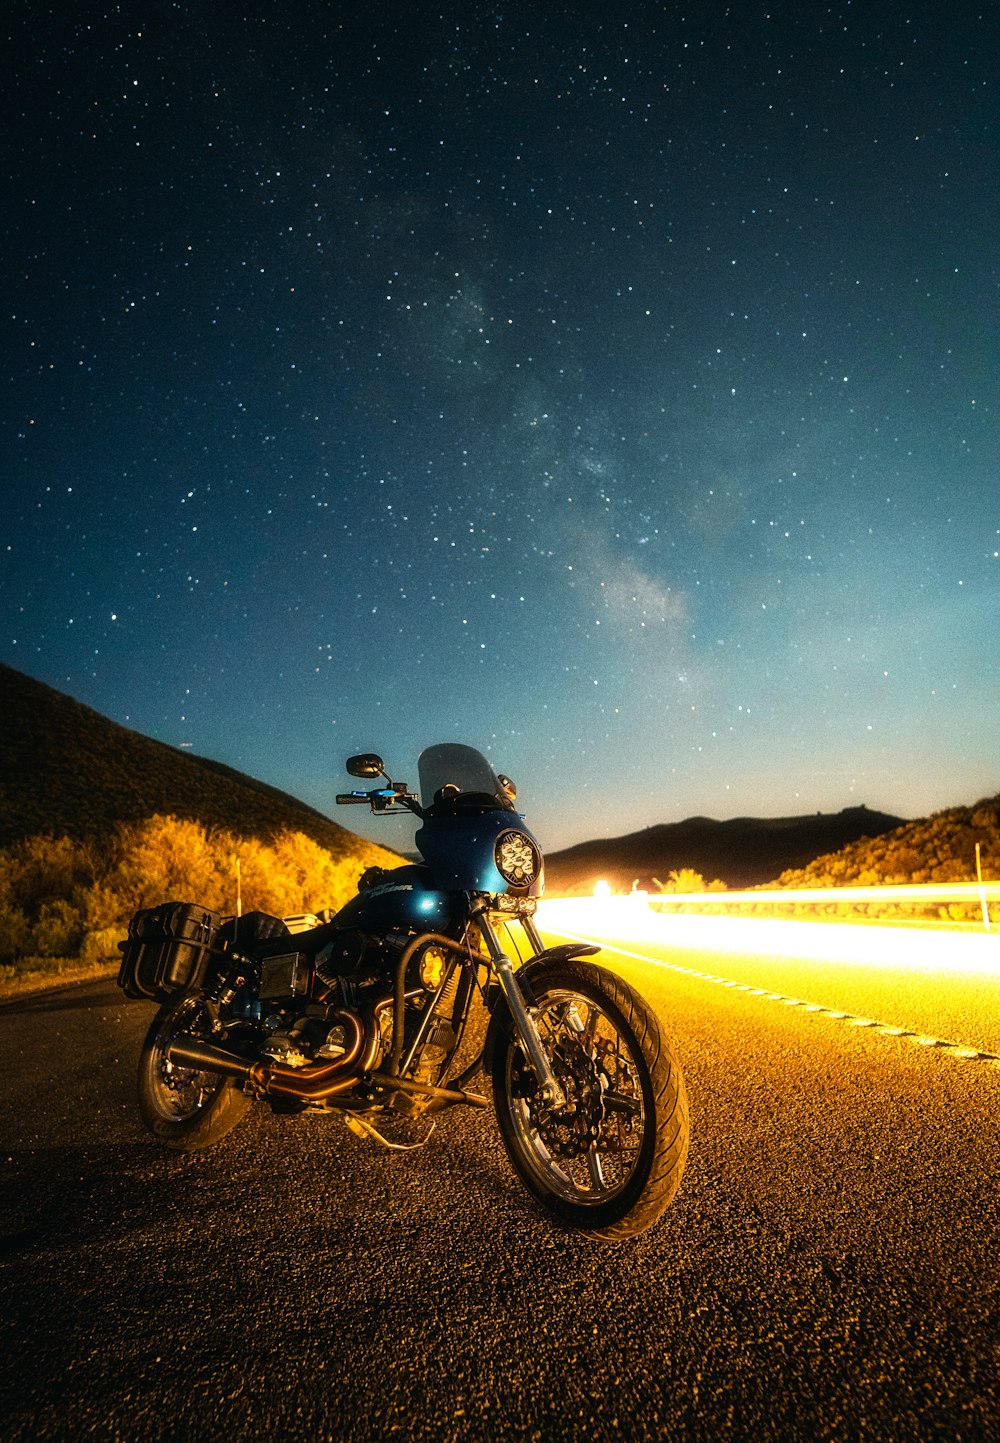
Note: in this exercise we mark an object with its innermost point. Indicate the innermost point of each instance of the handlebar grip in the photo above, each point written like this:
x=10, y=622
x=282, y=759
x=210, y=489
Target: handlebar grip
x=349, y=801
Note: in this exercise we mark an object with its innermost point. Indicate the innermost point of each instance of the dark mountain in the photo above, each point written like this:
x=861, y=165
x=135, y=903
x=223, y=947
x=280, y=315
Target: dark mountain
x=67, y=770
x=743, y=852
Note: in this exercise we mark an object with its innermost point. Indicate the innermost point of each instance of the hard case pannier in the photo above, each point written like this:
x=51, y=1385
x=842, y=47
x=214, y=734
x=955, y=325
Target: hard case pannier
x=168, y=950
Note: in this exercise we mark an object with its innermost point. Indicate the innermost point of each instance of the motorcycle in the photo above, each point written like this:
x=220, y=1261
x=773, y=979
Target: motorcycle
x=363, y=1015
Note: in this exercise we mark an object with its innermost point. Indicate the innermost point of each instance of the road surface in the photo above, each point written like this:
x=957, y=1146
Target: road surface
x=829, y=1270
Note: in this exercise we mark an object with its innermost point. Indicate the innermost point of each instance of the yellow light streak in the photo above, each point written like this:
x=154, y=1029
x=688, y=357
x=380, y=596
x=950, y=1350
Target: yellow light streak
x=917, y=894
x=632, y=920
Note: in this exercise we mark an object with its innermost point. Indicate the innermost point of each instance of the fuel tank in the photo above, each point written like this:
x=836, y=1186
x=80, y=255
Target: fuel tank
x=404, y=898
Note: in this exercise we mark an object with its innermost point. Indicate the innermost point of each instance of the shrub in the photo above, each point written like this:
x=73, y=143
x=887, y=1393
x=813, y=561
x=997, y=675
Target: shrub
x=62, y=898
x=686, y=879
x=101, y=945
x=58, y=929
x=168, y=858
x=42, y=868
x=15, y=932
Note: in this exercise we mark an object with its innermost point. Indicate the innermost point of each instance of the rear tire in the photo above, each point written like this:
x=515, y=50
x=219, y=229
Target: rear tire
x=610, y=1162
x=185, y=1109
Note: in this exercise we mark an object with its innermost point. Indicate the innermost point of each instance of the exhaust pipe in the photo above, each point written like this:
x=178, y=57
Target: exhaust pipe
x=317, y=1082
x=189, y=1052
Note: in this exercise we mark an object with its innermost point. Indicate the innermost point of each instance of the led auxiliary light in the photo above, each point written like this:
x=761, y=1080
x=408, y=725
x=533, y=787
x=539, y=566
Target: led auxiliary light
x=432, y=965
x=517, y=859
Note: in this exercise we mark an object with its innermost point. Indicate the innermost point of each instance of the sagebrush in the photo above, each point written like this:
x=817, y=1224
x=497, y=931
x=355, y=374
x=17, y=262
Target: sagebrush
x=61, y=897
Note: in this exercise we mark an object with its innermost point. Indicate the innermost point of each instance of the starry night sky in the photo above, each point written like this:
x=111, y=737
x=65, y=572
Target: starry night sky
x=612, y=388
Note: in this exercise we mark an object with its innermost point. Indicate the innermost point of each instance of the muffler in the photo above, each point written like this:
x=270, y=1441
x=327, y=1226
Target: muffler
x=190, y=1052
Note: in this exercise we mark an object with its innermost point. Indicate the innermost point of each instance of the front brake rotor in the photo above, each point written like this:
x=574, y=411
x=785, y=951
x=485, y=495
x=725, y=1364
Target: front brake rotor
x=573, y=1128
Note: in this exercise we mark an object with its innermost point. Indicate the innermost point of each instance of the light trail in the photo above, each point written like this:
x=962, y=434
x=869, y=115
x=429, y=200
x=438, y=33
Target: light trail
x=913, y=893
x=961, y=1050
x=920, y=986
x=631, y=919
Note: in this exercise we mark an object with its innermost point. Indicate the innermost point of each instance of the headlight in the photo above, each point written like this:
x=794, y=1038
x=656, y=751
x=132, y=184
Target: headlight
x=517, y=858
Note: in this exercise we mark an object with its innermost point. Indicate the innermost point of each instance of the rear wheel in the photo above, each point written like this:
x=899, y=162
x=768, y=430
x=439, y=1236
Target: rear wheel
x=183, y=1108
x=610, y=1160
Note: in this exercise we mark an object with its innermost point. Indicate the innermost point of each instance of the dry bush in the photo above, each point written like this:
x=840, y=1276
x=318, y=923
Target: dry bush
x=169, y=859
x=39, y=869
x=62, y=898
x=686, y=879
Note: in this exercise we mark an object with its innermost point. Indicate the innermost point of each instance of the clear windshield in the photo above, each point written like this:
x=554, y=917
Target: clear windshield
x=450, y=764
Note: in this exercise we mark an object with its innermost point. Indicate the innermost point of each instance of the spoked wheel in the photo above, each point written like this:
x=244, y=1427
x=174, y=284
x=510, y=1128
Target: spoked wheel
x=610, y=1160
x=185, y=1109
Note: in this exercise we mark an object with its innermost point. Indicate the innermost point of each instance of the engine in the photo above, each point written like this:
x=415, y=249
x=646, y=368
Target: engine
x=340, y=1005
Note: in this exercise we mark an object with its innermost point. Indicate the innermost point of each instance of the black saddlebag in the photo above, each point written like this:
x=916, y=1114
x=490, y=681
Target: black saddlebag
x=168, y=950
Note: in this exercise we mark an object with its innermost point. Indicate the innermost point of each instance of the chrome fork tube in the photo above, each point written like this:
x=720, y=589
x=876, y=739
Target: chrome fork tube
x=531, y=932
x=521, y=1013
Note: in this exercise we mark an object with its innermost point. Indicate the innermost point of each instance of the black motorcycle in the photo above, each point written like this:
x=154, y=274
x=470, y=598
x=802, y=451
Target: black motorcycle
x=364, y=1015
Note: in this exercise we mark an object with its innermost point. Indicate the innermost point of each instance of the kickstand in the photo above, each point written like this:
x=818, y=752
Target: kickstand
x=361, y=1128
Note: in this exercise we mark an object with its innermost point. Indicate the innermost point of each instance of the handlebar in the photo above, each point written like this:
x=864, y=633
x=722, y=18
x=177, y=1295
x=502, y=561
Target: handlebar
x=383, y=799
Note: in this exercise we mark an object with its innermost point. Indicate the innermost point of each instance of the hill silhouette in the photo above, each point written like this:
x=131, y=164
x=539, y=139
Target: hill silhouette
x=742, y=852
x=66, y=770
x=939, y=848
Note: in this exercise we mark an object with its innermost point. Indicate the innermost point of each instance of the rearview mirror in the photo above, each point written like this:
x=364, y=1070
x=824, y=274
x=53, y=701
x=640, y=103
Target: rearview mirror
x=365, y=765
x=508, y=786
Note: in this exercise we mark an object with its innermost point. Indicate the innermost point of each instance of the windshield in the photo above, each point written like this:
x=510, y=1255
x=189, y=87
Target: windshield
x=451, y=764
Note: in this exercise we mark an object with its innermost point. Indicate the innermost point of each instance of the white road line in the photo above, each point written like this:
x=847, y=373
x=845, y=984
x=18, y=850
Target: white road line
x=951, y=1049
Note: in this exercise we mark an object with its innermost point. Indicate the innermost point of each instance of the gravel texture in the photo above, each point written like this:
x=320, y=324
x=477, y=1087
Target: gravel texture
x=829, y=1269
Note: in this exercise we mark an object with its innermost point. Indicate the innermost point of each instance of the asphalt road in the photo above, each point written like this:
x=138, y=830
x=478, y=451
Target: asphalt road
x=829, y=1269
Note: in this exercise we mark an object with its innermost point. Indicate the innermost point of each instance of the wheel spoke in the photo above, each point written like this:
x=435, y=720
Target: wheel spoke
x=588, y=1033
x=617, y=1102
x=596, y=1170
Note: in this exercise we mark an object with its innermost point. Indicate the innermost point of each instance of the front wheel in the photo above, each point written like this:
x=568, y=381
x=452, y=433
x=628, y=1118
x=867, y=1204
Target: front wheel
x=183, y=1108
x=610, y=1160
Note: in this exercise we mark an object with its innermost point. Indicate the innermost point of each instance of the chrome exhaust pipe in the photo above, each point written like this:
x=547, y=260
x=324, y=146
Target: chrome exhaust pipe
x=190, y=1052
x=316, y=1082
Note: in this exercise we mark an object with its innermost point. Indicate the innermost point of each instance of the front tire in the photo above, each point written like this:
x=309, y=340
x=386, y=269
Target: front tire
x=185, y=1109
x=611, y=1160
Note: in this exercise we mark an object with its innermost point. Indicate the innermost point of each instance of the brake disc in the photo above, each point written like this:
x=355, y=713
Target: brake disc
x=573, y=1128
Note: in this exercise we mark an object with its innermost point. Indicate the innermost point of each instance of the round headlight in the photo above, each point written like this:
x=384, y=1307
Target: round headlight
x=517, y=858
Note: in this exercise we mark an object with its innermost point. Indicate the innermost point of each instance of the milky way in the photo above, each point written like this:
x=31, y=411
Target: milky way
x=616, y=392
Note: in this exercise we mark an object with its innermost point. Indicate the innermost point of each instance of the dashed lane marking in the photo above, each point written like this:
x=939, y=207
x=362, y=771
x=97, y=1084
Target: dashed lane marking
x=886, y=1029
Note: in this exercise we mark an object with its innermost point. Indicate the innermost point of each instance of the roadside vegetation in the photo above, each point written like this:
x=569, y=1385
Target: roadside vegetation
x=936, y=849
x=940, y=848
x=686, y=879
x=65, y=903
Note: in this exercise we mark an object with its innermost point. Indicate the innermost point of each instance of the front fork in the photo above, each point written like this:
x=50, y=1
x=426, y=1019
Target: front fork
x=523, y=1015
